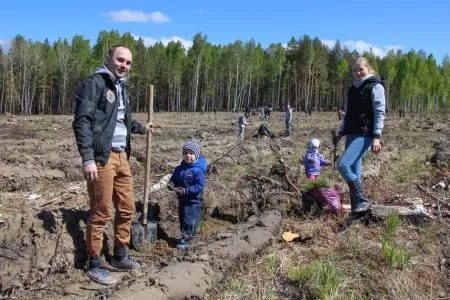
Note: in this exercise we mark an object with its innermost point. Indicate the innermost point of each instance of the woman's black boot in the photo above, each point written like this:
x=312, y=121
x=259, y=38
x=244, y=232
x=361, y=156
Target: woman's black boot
x=361, y=203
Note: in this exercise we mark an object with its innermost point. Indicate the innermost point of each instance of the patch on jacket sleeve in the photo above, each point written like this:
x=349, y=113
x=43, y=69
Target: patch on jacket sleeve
x=110, y=96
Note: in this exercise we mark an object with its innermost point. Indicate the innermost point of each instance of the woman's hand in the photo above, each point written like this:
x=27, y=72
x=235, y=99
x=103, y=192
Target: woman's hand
x=337, y=138
x=376, y=145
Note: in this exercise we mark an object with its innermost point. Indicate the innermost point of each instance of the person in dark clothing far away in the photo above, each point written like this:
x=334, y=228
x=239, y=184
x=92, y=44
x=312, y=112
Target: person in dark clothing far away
x=264, y=131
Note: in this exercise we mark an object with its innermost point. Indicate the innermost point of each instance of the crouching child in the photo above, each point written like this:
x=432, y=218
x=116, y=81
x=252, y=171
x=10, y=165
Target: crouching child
x=320, y=194
x=188, y=181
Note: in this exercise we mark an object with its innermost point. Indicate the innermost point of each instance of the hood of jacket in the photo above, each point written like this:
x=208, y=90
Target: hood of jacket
x=310, y=149
x=199, y=163
x=104, y=70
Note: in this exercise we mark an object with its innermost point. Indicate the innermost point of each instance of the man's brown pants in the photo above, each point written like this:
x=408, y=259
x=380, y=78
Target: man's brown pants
x=113, y=187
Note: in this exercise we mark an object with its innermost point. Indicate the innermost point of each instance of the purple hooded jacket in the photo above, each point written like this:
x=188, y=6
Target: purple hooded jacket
x=313, y=161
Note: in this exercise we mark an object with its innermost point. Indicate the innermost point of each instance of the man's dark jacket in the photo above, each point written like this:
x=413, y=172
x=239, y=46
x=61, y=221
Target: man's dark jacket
x=96, y=116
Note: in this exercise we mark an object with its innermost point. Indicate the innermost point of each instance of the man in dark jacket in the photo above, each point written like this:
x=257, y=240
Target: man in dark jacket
x=264, y=131
x=102, y=126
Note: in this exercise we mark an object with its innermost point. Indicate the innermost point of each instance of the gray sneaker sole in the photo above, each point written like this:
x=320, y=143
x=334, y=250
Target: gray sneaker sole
x=114, y=282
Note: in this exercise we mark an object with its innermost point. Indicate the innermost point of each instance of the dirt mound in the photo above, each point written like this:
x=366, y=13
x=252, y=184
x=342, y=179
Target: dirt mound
x=442, y=156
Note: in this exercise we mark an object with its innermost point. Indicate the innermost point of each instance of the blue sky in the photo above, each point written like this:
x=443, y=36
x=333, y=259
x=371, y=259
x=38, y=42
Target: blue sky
x=359, y=25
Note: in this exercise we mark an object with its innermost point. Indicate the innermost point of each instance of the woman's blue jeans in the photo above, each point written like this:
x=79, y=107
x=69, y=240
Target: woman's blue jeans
x=350, y=162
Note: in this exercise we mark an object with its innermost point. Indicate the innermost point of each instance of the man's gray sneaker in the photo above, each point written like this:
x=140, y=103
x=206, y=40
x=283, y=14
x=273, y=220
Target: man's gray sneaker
x=101, y=276
x=126, y=263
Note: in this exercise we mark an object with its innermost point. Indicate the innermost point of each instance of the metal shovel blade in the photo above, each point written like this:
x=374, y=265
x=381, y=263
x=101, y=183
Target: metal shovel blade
x=137, y=236
x=144, y=236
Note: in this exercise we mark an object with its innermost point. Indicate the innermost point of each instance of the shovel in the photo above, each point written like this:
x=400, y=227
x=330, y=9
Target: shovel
x=334, y=142
x=143, y=235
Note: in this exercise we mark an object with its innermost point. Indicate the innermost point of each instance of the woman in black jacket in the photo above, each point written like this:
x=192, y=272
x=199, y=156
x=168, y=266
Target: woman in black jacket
x=362, y=126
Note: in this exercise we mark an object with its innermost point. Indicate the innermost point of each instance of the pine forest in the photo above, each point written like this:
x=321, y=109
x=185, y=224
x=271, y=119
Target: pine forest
x=39, y=77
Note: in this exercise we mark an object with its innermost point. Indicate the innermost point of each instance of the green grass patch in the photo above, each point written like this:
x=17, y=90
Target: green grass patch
x=299, y=274
x=410, y=166
x=239, y=288
x=235, y=286
x=271, y=264
x=232, y=170
x=390, y=225
x=323, y=274
x=395, y=256
x=286, y=207
x=328, y=278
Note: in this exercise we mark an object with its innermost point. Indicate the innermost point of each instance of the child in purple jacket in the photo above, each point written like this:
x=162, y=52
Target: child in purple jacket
x=313, y=160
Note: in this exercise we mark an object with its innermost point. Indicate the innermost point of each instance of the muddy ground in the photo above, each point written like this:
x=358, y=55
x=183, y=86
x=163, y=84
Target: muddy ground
x=43, y=199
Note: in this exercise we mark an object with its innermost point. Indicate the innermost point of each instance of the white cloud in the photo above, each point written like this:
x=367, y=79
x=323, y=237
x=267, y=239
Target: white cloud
x=159, y=17
x=329, y=43
x=362, y=46
x=187, y=44
x=5, y=44
x=136, y=16
x=149, y=41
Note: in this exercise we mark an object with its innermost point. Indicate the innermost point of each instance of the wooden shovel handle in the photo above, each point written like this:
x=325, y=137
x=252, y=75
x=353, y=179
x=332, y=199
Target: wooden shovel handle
x=147, y=165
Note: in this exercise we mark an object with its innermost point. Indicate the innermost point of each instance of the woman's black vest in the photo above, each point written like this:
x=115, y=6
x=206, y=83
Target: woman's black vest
x=359, y=117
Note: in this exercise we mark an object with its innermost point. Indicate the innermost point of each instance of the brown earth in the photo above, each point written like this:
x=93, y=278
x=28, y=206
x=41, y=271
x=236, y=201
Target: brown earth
x=43, y=199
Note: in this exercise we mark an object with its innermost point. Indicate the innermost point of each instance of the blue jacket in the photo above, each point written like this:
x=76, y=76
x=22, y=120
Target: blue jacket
x=191, y=177
x=313, y=161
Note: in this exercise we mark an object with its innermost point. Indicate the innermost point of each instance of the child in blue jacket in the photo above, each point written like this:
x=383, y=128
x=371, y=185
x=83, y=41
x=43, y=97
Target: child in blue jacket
x=188, y=181
x=313, y=159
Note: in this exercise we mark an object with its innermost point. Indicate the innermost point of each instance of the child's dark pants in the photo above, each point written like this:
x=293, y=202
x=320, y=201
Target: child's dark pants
x=190, y=215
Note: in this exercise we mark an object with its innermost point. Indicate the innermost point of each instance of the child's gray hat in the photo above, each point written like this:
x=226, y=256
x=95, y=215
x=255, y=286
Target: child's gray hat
x=314, y=143
x=193, y=146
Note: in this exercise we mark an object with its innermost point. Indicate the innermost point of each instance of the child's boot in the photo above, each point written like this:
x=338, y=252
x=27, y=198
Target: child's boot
x=182, y=244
